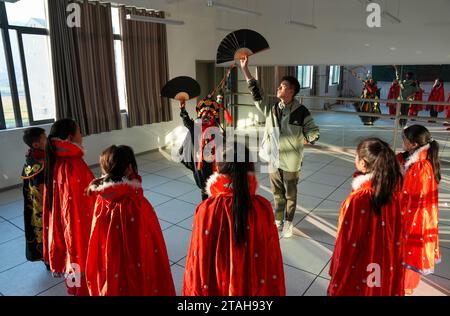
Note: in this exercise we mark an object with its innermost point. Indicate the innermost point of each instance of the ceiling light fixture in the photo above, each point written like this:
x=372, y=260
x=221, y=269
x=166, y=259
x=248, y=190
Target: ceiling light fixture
x=213, y=3
x=141, y=18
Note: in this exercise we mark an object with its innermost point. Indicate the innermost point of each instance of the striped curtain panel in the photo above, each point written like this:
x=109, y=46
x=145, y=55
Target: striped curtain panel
x=84, y=67
x=146, y=67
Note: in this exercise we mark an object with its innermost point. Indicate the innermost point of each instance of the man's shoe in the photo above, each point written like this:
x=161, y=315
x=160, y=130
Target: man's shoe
x=287, y=230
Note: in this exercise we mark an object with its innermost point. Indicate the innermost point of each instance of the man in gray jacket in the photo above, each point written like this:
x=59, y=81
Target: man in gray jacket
x=289, y=125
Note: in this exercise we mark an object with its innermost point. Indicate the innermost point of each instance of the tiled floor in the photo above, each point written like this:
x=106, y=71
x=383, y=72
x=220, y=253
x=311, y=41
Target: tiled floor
x=325, y=182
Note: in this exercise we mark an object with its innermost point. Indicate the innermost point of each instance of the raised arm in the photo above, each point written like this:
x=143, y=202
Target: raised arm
x=254, y=88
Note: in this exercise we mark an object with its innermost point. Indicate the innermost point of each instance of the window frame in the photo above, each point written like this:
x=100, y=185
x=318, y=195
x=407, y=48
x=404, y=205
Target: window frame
x=300, y=79
x=334, y=69
x=5, y=27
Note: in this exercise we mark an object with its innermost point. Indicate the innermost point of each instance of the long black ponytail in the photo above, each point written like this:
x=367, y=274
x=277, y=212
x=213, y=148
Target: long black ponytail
x=420, y=135
x=238, y=170
x=61, y=129
x=381, y=161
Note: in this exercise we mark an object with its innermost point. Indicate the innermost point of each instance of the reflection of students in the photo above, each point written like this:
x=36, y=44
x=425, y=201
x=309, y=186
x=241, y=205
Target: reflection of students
x=295, y=126
x=235, y=248
x=394, y=92
x=420, y=207
x=436, y=95
x=408, y=90
x=448, y=112
x=370, y=91
x=416, y=108
x=127, y=255
x=367, y=257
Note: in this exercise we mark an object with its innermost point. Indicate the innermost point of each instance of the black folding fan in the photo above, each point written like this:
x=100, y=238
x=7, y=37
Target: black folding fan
x=239, y=44
x=181, y=88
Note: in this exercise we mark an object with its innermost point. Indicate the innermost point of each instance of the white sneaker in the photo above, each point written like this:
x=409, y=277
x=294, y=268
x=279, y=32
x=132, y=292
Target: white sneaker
x=279, y=225
x=287, y=230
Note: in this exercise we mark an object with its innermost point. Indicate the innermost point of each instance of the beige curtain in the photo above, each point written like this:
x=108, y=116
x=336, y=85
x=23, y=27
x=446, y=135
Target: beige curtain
x=269, y=78
x=84, y=67
x=146, y=67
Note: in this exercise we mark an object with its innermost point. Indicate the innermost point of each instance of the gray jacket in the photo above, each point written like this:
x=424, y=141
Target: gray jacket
x=284, y=136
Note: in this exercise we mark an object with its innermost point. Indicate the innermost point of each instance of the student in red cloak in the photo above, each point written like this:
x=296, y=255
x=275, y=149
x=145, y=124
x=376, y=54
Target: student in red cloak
x=437, y=94
x=67, y=208
x=367, y=257
x=394, y=92
x=420, y=205
x=235, y=249
x=127, y=255
x=416, y=108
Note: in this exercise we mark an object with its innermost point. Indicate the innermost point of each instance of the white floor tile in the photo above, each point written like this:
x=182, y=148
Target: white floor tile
x=174, y=188
x=432, y=285
x=151, y=167
x=155, y=198
x=174, y=172
x=150, y=181
x=12, y=210
x=318, y=288
x=324, y=273
x=177, y=242
x=187, y=179
x=9, y=232
x=27, y=279
x=177, y=275
x=12, y=253
x=296, y=281
x=318, y=227
x=338, y=170
x=10, y=196
x=153, y=156
x=340, y=194
x=313, y=166
x=182, y=262
x=305, y=254
x=307, y=202
x=329, y=209
x=175, y=211
x=18, y=222
x=187, y=223
x=443, y=269
x=164, y=225
x=328, y=179
x=194, y=197
x=315, y=189
x=57, y=290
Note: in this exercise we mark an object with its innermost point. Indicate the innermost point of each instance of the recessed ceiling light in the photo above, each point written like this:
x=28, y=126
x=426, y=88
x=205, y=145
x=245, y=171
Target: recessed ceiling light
x=367, y=45
x=393, y=48
x=419, y=52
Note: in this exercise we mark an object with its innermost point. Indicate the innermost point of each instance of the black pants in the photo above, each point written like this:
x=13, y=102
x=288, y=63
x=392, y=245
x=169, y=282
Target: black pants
x=404, y=109
x=433, y=112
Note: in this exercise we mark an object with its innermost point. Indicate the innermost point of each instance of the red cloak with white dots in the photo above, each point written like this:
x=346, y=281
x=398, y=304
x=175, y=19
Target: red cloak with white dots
x=67, y=225
x=367, y=257
x=420, y=207
x=215, y=265
x=127, y=255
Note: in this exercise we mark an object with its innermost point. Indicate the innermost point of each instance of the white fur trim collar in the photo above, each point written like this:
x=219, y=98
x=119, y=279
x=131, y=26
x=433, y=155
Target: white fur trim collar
x=215, y=177
x=415, y=157
x=106, y=185
x=360, y=180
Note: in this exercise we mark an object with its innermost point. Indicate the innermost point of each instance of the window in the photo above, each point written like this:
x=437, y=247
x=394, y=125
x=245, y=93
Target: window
x=335, y=75
x=305, y=76
x=120, y=70
x=26, y=82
